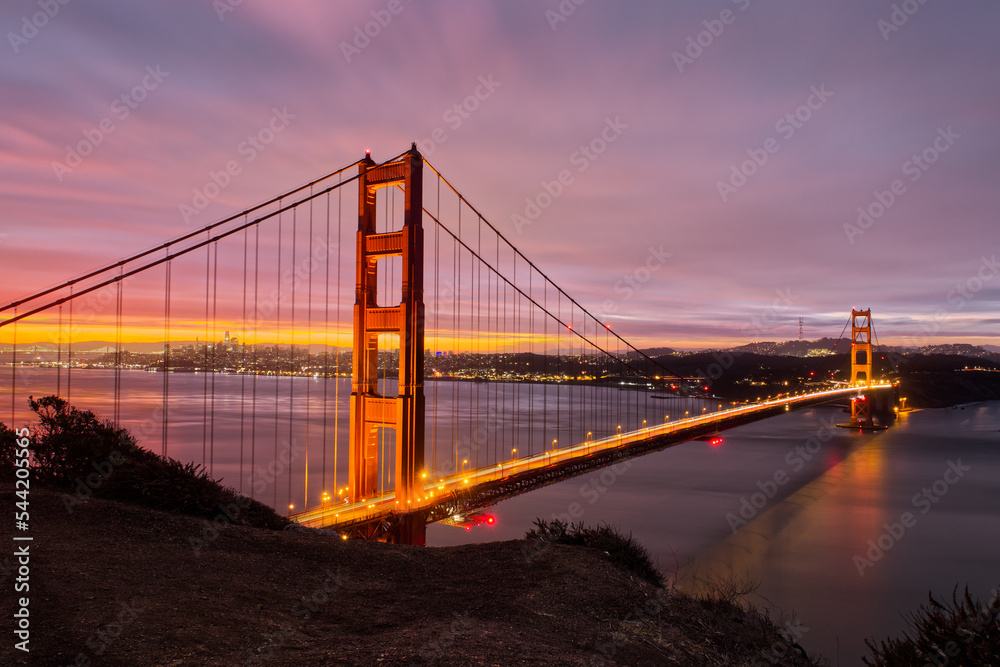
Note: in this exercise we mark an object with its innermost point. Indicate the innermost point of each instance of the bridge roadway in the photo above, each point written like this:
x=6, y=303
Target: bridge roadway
x=456, y=495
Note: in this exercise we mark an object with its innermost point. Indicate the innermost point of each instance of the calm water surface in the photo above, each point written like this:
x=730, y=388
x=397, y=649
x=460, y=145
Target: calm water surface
x=815, y=500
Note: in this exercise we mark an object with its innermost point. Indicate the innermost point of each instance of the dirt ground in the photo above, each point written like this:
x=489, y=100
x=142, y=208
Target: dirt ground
x=115, y=584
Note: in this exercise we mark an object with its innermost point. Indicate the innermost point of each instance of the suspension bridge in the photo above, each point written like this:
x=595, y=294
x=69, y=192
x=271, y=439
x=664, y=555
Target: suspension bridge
x=435, y=373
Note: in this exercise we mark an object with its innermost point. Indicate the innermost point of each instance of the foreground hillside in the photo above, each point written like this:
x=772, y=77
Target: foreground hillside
x=117, y=584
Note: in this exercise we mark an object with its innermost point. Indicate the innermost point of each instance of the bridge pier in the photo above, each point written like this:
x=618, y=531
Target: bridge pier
x=411, y=529
x=874, y=409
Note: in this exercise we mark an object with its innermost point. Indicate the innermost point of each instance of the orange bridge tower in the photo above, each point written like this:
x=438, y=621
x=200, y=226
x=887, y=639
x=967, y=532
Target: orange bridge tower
x=372, y=415
x=861, y=365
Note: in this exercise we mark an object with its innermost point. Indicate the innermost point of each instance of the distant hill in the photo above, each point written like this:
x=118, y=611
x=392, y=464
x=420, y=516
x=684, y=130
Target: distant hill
x=961, y=349
x=654, y=352
x=797, y=348
x=825, y=346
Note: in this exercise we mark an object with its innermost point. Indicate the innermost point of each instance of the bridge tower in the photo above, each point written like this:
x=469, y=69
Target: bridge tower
x=372, y=413
x=861, y=365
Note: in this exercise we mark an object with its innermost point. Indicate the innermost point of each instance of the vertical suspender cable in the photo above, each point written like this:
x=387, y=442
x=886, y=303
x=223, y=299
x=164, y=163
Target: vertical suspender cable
x=308, y=365
x=253, y=363
x=545, y=366
x=277, y=358
x=456, y=312
x=437, y=328
x=326, y=350
x=243, y=355
x=531, y=362
x=336, y=350
x=59, y=356
x=13, y=373
x=69, y=351
x=118, y=349
x=166, y=354
x=215, y=304
x=204, y=418
x=292, y=371
x=477, y=267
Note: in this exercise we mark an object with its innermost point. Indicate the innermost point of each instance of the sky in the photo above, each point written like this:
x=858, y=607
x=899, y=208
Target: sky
x=727, y=167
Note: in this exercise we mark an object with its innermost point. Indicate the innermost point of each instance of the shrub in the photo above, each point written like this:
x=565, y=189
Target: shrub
x=8, y=443
x=622, y=549
x=74, y=450
x=67, y=442
x=963, y=632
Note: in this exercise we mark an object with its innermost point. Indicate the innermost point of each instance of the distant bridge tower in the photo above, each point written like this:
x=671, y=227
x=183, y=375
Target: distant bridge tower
x=861, y=365
x=404, y=413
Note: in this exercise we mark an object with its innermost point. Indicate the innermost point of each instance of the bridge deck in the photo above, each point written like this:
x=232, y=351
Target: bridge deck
x=442, y=492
